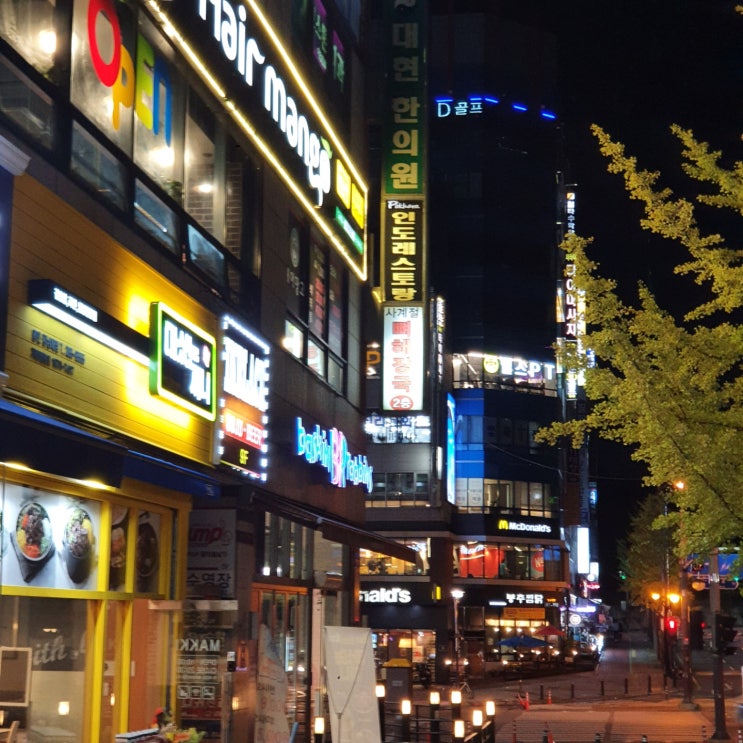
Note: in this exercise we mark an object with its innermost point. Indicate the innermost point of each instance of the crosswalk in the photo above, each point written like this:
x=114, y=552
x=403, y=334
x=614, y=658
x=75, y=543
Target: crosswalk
x=607, y=726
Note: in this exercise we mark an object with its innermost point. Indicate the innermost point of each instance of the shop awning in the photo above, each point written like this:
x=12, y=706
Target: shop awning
x=333, y=528
x=157, y=471
x=48, y=445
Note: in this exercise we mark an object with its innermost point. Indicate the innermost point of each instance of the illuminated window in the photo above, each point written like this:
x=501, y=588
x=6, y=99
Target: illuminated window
x=29, y=28
x=200, y=185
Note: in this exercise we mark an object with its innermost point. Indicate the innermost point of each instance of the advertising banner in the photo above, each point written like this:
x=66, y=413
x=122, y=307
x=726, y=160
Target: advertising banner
x=351, y=682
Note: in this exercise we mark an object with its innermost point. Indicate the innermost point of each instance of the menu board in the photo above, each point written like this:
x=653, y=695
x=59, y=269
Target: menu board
x=49, y=540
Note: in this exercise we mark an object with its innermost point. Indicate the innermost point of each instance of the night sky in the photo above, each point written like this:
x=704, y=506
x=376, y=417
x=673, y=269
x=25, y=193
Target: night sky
x=635, y=67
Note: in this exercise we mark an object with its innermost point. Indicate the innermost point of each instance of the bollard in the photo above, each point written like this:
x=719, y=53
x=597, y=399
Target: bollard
x=740, y=735
x=602, y=687
x=644, y=739
x=597, y=739
x=704, y=734
x=650, y=684
x=527, y=700
x=545, y=737
x=626, y=686
x=549, y=696
x=514, y=739
x=572, y=691
x=541, y=692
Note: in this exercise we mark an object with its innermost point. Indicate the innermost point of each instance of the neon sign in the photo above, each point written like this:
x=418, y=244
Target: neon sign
x=329, y=449
x=244, y=63
x=182, y=362
x=244, y=402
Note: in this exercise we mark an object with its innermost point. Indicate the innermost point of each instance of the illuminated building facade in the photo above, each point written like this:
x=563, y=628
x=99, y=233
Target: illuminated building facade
x=183, y=253
x=459, y=477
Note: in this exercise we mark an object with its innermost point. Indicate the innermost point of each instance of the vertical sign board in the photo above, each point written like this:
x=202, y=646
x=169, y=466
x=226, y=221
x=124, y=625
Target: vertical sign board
x=404, y=329
x=404, y=141
x=243, y=402
x=182, y=362
x=404, y=250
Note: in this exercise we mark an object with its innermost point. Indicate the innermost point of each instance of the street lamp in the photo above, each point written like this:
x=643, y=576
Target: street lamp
x=456, y=594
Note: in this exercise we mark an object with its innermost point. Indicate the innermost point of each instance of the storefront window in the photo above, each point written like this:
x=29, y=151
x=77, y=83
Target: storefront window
x=376, y=563
x=284, y=642
x=288, y=551
x=508, y=561
x=155, y=218
x=54, y=632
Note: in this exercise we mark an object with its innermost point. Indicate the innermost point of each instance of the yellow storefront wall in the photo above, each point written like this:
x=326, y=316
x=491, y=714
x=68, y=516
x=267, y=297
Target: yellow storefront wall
x=125, y=627
x=108, y=389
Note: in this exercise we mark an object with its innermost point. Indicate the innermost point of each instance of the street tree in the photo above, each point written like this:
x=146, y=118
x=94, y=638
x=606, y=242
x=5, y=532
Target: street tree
x=670, y=387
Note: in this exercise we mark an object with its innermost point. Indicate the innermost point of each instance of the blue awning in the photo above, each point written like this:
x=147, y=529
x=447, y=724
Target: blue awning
x=48, y=445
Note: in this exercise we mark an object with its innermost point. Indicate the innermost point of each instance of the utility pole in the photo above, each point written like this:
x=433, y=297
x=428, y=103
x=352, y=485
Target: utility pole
x=718, y=681
x=687, y=701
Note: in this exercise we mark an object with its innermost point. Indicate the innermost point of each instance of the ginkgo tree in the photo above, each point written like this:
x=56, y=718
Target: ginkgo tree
x=670, y=388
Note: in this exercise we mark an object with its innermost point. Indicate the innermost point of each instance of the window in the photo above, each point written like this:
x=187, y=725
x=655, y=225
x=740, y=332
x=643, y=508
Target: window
x=316, y=295
x=375, y=563
x=98, y=167
x=200, y=185
x=390, y=489
x=155, y=218
x=504, y=561
x=28, y=26
x=206, y=257
x=25, y=104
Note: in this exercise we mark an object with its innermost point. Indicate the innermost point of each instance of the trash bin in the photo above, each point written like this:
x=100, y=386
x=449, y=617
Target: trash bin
x=398, y=674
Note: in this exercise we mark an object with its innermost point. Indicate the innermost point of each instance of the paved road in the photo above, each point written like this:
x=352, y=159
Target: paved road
x=623, y=700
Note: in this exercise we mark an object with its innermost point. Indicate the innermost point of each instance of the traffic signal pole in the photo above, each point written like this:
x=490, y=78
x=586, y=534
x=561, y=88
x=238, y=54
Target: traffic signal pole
x=718, y=686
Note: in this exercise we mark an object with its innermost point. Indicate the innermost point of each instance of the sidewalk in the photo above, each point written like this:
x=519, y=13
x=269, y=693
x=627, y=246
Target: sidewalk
x=626, y=692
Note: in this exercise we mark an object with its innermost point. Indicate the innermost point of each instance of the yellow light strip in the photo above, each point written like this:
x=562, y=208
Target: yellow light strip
x=248, y=128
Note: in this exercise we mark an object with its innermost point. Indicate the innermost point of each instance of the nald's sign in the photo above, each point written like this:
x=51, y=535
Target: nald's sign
x=329, y=449
x=245, y=63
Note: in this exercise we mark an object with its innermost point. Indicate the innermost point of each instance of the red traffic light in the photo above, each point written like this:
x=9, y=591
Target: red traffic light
x=672, y=624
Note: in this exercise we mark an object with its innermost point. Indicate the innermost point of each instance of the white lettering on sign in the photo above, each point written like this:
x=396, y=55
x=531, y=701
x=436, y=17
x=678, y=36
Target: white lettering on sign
x=228, y=27
x=180, y=346
x=76, y=305
x=245, y=375
x=386, y=596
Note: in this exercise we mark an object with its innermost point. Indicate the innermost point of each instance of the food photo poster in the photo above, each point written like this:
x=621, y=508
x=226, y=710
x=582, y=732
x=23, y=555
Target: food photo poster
x=49, y=540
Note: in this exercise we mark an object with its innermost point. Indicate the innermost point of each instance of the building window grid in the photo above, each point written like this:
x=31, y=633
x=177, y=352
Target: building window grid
x=397, y=489
x=508, y=561
x=507, y=497
x=117, y=172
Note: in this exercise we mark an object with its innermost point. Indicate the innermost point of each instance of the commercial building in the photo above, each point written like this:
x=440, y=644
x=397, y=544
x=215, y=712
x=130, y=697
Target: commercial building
x=183, y=263
x=458, y=476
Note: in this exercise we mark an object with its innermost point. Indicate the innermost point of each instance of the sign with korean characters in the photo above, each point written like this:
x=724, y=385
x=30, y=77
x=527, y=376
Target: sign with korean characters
x=404, y=143
x=404, y=252
x=182, y=362
x=404, y=356
x=243, y=401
